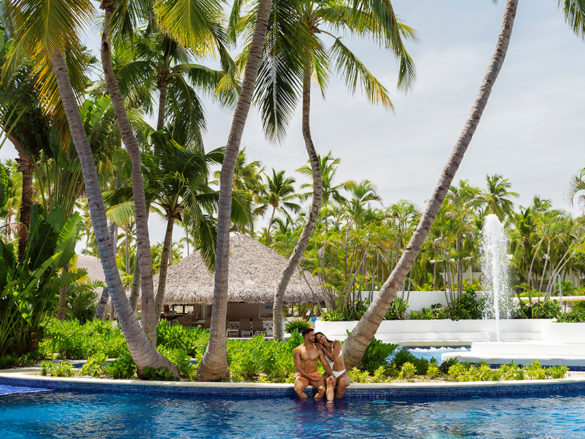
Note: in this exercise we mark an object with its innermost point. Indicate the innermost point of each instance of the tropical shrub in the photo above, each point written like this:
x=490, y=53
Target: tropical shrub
x=69, y=339
x=95, y=366
x=82, y=301
x=29, y=287
x=549, y=309
x=60, y=369
x=297, y=325
x=122, y=367
x=407, y=371
x=433, y=370
x=192, y=339
x=181, y=360
x=556, y=372
x=397, y=310
x=575, y=316
x=376, y=354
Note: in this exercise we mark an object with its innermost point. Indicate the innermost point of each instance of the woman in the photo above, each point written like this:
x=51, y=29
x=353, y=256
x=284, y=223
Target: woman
x=334, y=357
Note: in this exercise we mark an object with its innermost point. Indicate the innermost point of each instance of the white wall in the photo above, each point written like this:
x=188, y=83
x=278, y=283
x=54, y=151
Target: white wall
x=417, y=300
x=442, y=332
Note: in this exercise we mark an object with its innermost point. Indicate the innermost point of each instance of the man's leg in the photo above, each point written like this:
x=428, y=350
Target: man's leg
x=342, y=383
x=300, y=386
x=320, y=387
x=330, y=383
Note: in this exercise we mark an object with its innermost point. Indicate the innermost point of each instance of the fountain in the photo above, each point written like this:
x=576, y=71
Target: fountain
x=494, y=251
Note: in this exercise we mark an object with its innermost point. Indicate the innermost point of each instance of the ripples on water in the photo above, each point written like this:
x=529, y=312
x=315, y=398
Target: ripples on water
x=68, y=415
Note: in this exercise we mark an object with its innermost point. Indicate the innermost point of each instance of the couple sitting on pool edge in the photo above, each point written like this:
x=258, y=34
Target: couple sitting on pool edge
x=317, y=347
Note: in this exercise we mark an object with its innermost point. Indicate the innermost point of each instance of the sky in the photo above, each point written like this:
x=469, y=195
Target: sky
x=531, y=131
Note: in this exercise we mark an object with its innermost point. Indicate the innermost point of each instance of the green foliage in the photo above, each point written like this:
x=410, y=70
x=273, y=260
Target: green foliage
x=122, y=367
x=376, y=355
x=433, y=370
x=95, y=366
x=269, y=359
x=192, y=339
x=407, y=371
x=575, y=316
x=397, y=310
x=81, y=301
x=511, y=371
x=297, y=325
x=29, y=288
x=60, y=369
x=557, y=372
x=181, y=360
x=69, y=339
x=10, y=361
x=534, y=371
x=549, y=309
x=404, y=356
x=465, y=307
x=333, y=315
x=153, y=374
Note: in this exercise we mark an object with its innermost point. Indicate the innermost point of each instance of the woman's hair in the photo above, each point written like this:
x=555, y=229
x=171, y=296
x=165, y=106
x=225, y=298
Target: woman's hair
x=317, y=333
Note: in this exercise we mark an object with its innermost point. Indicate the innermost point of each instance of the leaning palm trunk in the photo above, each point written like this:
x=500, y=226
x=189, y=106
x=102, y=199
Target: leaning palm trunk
x=362, y=335
x=100, y=311
x=214, y=363
x=299, y=249
x=144, y=258
x=142, y=350
x=164, y=265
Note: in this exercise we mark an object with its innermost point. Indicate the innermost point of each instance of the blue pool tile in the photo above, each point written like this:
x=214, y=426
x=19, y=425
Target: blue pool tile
x=11, y=390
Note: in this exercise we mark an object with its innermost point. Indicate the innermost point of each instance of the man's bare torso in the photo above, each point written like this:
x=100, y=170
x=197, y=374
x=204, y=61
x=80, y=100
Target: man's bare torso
x=308, y=357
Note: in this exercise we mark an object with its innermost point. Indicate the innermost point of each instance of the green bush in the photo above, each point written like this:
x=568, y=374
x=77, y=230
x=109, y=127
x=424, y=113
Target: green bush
x=397, y=310
x=433, y=370
x=404, y=356
x=122, y=367
x=69, y=339
x=511, y=371
x=181, y=360
x=193, y=340
x=297, y=325
x=534, y=371
x=557, y=372
x=153, y=374
x=376, y=355
x=60, y=369
x=575, y=316
x=549, y=309
x=95, y=366
x=407, y=371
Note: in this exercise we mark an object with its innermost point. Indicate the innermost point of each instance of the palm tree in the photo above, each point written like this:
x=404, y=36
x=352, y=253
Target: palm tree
x=175, y=177
x=279, y=194
x=49, y=30
x=289, y=66
x=362, y=335
x=214, y=363
x=497, y=196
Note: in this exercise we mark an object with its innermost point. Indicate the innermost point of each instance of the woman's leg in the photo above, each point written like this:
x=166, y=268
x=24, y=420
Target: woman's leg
x=342, y=383
x=330, y=381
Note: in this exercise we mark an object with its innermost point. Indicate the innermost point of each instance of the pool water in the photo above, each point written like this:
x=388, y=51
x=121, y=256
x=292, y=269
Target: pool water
x=82, y=415
x=435, y=352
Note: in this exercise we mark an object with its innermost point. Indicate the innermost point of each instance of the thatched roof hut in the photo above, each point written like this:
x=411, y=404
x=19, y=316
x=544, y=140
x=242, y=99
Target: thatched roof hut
x=253, y=277
x=93, y=266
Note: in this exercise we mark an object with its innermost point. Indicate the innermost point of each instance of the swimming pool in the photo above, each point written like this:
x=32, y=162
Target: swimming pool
x=86, y=415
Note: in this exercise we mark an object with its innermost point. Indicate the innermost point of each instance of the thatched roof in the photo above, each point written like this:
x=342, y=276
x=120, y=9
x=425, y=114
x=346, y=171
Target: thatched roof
x=93, y=266
x=254, y=272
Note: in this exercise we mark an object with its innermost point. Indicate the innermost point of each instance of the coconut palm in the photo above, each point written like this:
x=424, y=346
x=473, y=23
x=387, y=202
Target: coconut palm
x=497, y=196
x=362, y=335
x=279, y=195
x=175, y=177
x=214, y=363
x=290, y=64
x=48, y=31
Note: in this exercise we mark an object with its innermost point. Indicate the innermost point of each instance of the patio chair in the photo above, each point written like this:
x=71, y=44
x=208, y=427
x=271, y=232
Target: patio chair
x=232, y=329
x=245, y=330
x=258, y=327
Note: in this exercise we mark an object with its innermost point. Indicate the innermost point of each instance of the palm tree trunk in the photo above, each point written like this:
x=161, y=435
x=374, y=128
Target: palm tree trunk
x=135, y=289
x=459, y=268
x=214, y=363
x=100, y=311
x=142, y=350
x=299, y=249
x=148, y=316
x=164, y=264
x=362, y=335
x=26, y=166
x=162, y=101
x=270, y=226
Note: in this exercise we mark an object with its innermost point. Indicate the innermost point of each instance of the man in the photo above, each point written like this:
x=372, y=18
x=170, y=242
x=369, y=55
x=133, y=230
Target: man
x=305, y=357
